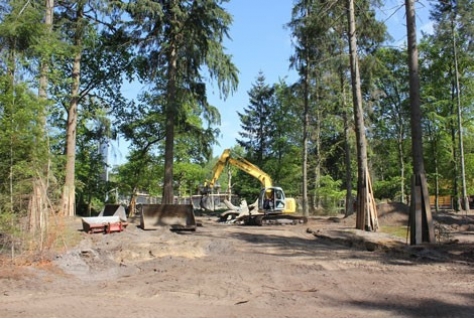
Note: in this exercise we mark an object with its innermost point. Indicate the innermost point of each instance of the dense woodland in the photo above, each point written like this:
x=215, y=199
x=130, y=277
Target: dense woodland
x=63, y=65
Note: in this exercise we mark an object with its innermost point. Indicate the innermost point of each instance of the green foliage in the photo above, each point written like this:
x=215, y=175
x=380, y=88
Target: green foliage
x=90, y=171
x=387, y=188
x=266, y=140
x=20, y=138
x=453, y=25
x=330, y=193
x=9, y=227
x=187, y=177
x=257, y=121
x=329, y=187
x=130, y=41
x=21, y=157
x=285, y=170
x=142, y=172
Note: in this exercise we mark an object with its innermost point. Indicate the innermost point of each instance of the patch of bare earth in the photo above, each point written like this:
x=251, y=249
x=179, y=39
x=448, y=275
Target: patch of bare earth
x=324, y=268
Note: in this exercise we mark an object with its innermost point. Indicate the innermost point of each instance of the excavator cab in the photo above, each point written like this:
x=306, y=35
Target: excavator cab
x=271, y=200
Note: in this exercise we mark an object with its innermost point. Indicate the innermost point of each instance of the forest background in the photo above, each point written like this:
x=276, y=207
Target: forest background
x=64, y=65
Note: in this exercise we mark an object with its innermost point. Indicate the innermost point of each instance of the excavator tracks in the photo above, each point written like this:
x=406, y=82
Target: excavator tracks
x=272, y=219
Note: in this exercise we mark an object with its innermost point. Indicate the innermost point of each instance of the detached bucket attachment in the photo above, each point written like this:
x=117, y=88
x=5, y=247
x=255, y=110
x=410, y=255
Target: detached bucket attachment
x=114, y=210
x=179, y=217
x=102, y=224
x=112, y=218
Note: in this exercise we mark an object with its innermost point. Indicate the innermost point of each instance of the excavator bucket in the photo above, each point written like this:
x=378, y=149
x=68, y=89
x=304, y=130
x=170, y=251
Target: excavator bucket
x=114, y=210
x=179, y=217
x=207, y=203
x=112, y=218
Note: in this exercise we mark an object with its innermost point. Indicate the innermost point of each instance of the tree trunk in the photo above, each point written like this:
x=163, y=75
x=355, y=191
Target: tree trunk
x=229, y=184
x=401, y=156
x=38, y=214
x=349, y=209
x=171, y=110
x=366, y=211
x=132, y=206
x=305, y=142
x=455, y=153
x=69, y=191
x=465, y=199
x=317, y=168
x=44, y=67
x=420, y=213
x=349, y=199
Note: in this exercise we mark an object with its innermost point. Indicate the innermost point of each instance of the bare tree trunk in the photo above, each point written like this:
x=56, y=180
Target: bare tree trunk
x=69, y=190
x=305, y=161
x=305, y=142
x=229, y=184
x=168, y=192
x=436, y=186
x=421, y=224
x=39, y=210
x=366, y=210
x=44, y=68
x=349, y=199
x=465, y=199
x=171, y=109
x=401, y=156
x=317, y=168
x=38, y=213
x=349, y=209
x=132, y=206
x=9, y=90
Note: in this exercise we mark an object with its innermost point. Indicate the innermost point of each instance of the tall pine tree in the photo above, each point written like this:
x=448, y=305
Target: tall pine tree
x=256, y=121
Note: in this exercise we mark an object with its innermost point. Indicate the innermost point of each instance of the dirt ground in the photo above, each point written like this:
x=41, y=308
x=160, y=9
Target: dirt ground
x=324, y=268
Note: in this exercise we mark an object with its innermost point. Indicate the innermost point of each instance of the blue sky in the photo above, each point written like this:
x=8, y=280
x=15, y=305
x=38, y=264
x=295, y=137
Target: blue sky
x=259, y=42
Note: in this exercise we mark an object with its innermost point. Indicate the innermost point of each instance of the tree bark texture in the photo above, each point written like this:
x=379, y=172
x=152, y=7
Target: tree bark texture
x=465, y=199
x=365, y=209
x=421, y=226
x=69, y=190
x=305, y=139
x=349, y=199
x=171, y=109
x=37, y=214
x=38, y=209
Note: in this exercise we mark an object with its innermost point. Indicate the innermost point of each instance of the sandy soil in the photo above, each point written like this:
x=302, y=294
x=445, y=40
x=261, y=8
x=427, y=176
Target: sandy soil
x=324, y=268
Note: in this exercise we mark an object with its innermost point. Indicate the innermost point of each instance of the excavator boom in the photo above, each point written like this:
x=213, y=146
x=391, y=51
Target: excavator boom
x=242, y=164
x=252, y=170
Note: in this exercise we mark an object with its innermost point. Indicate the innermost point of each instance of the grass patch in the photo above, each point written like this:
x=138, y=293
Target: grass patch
x=399, y=231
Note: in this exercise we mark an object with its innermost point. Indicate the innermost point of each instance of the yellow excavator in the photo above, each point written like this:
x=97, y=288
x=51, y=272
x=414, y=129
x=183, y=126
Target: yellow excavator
x=272, y=206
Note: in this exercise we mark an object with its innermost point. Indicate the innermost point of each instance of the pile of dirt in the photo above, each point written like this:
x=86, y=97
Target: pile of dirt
x=388, y=214
x=393, y=213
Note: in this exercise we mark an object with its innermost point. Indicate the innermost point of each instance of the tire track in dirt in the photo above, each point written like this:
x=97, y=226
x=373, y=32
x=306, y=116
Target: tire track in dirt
x=231, y=271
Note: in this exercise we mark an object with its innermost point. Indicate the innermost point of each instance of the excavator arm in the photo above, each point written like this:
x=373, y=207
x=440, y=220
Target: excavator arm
x=240, y=163
x=252, y=170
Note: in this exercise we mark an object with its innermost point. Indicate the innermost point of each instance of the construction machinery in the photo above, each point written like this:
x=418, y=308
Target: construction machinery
x=112, y=218
x=178, y=217
x=272, y=206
